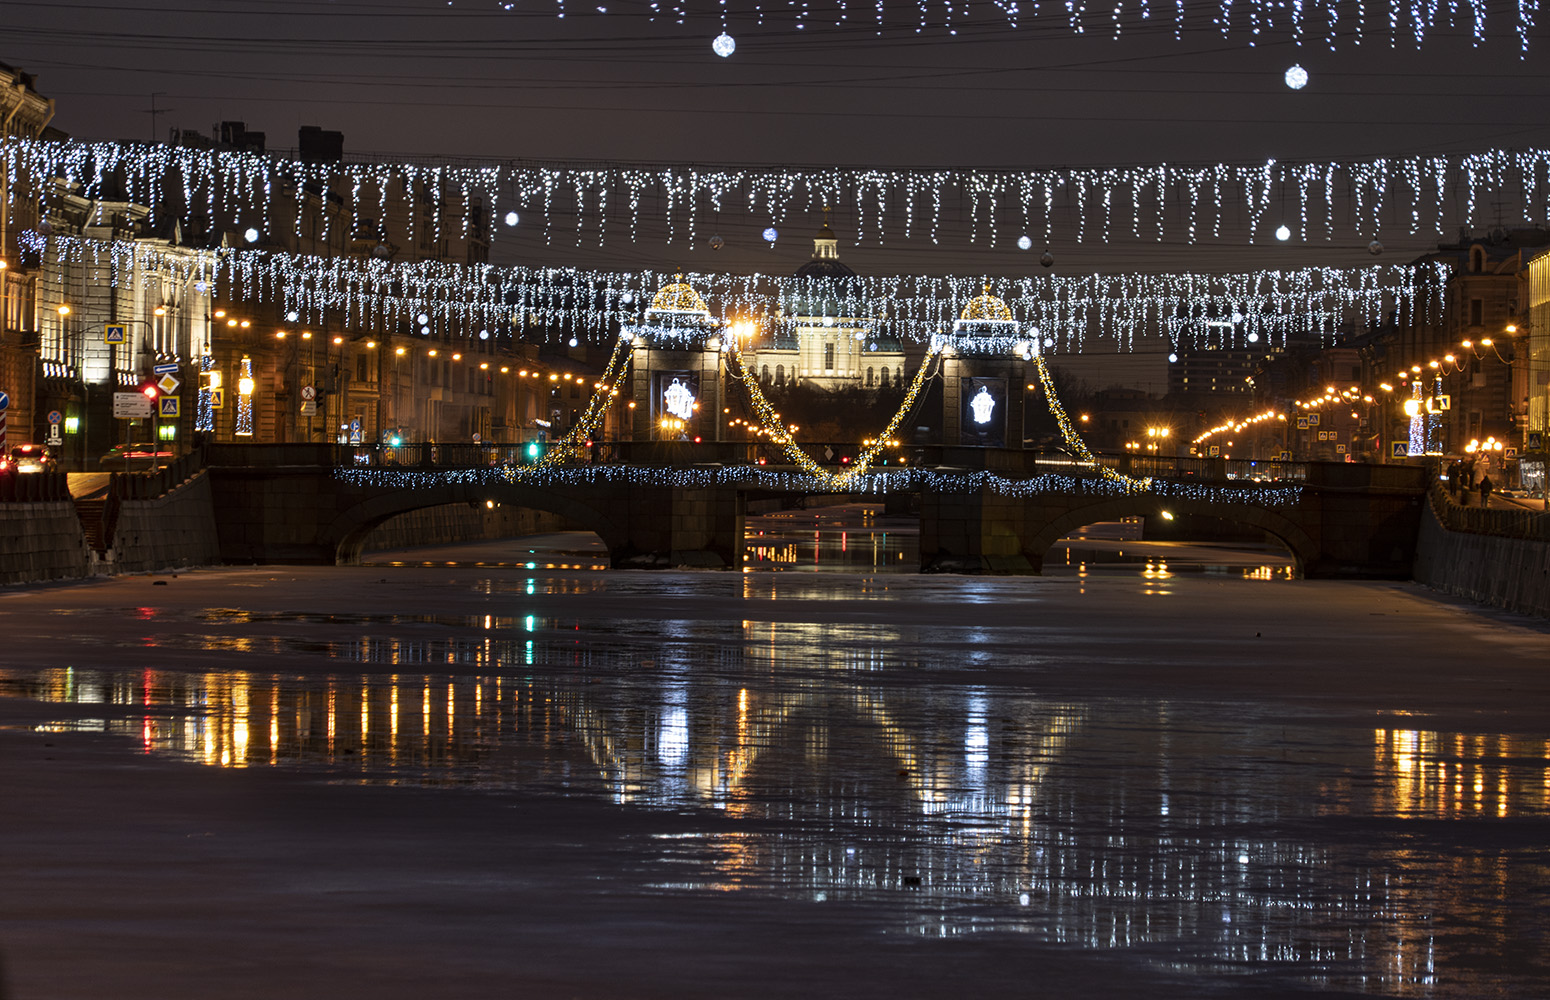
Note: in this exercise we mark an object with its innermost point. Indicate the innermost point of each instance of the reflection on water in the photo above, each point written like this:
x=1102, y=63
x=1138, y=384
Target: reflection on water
x=1217, y=842
x=850, y=538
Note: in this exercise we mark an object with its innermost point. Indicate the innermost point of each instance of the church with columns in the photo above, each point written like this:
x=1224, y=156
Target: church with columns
x=815, y=339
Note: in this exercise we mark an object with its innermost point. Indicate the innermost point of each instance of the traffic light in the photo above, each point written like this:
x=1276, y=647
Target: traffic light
x=150, y=391
x=533, y=451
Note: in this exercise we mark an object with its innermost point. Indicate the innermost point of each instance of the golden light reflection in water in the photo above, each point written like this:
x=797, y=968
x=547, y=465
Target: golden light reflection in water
x=1458, y=775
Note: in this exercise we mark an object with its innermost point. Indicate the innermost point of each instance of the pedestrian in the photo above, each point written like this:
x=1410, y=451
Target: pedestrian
x=1455, y=473
x=1485, y=491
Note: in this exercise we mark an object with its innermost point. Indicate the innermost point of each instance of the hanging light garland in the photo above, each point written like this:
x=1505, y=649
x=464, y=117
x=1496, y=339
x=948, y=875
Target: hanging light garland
x=1307, y=22
x=876, y=483
x=1057, y=312
x=563, y=450
x=1073, y=439
x=779, y=435
x=241, y=191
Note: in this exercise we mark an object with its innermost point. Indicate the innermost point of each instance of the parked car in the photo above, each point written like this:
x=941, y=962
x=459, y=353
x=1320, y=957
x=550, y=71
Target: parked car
x=31, y=458
x=138, y=456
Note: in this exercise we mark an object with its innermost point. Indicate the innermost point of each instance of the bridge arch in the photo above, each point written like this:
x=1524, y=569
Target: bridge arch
x=351, y=527
x=1288, y=532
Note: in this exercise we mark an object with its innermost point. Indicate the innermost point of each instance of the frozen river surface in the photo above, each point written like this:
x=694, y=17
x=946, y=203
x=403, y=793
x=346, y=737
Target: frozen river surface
x=496, y=781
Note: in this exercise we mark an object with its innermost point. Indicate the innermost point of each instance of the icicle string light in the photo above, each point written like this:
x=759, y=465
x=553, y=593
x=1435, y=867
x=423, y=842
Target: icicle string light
x=233, y=190
x=556, y=304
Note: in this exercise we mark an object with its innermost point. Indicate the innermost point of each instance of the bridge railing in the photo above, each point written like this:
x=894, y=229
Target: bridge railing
x=1533, y=525
x=1214, y=470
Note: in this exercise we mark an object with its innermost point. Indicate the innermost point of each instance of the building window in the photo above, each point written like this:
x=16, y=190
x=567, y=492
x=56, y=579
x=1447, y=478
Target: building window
x=828, y=357
x=764, y=375
x=1476, y=312
x=885, y=376
x=871, y=373
x=780, y=374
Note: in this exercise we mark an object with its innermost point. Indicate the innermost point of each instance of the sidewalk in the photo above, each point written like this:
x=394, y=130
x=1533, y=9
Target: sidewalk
x=1471, y=498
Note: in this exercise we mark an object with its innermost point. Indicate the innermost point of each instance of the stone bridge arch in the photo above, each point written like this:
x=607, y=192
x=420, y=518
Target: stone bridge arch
x=1058, y=523
x=350, y=528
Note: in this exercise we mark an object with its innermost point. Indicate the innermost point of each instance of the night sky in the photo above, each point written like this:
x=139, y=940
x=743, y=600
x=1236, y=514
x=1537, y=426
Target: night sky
x=471, y=80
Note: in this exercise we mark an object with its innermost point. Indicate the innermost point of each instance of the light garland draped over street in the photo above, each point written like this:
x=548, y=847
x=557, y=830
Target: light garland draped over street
x=597, y=202
x=1074, y=442
x=565, y=449
x=1058, y=311
x=863, y=463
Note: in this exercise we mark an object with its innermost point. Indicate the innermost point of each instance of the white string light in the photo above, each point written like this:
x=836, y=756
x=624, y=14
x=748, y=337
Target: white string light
x=595, y=306
x=1256, y=21
x=873, y=483
x=239, y=189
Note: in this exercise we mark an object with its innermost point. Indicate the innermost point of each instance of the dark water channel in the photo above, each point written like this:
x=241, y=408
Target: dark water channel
x=875, y=758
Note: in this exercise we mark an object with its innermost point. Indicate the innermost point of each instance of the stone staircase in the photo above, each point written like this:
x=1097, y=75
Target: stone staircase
x=94, y=526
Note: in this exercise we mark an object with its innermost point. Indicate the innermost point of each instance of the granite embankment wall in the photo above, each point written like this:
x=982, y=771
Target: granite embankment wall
x=1497, y=557
x=450, y=524
x=171, y=531
x=43, y=541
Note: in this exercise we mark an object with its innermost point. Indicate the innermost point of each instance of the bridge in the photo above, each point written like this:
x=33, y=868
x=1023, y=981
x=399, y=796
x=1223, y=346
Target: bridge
x=980, y=510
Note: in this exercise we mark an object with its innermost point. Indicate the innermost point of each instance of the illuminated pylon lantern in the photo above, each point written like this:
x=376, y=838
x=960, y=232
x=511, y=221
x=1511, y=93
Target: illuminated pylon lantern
x=987, y=373
x=245, y=398
x=677, y=367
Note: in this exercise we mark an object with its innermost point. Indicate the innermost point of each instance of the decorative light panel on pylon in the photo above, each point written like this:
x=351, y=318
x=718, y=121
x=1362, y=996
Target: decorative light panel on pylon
x=676, y=318
x=985, y=327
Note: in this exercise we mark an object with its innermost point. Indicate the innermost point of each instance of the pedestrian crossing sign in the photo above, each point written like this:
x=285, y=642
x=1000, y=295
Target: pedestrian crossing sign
x=217, y=399
x=169, y=406
x=1399, y=449
x=115, y=333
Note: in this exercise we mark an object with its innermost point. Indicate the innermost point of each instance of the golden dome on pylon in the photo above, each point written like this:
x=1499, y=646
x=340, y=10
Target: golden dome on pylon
x=679, y=296
x=986, y=307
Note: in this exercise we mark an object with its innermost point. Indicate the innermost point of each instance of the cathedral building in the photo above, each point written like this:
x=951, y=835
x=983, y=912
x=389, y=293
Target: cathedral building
x=815, y=337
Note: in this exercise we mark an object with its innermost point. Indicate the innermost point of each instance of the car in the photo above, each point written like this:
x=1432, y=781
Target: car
x=31, y=458
x=136, y=456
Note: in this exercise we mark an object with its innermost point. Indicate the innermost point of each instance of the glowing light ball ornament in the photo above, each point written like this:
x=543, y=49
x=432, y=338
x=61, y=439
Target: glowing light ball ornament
x=1296, y=77
x=1024, y=243
x=771, y=234
x=724, y=45
x=1283, y=233
x=512, y=218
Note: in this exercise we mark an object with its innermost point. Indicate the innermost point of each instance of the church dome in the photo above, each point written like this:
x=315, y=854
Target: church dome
x=826, y=257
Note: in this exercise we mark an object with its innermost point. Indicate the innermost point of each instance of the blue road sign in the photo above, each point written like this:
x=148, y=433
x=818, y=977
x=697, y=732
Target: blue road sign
x=165, y=369
x=55, y=417
x=5, y=401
